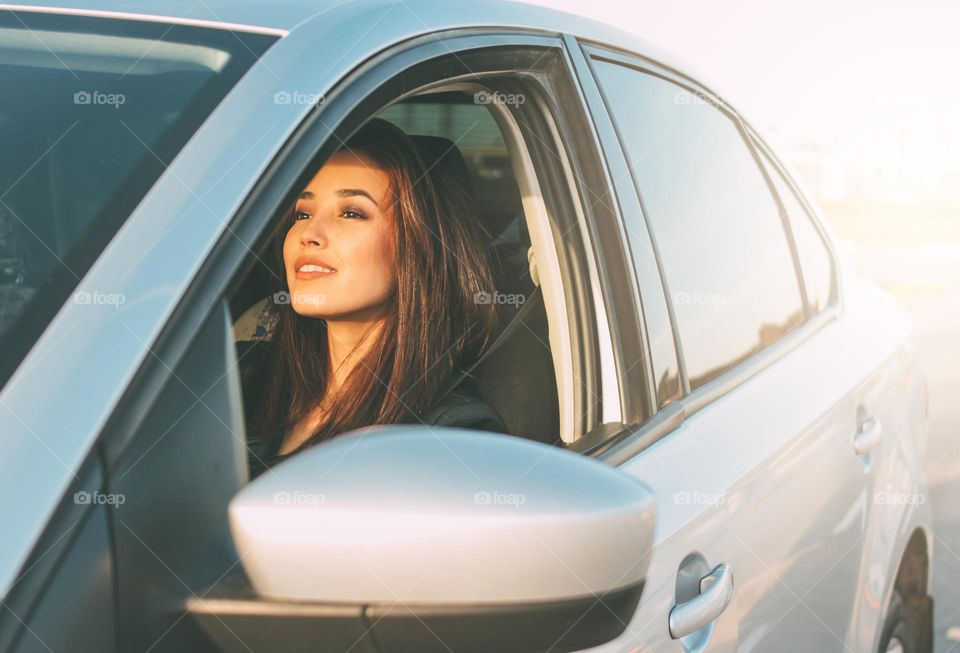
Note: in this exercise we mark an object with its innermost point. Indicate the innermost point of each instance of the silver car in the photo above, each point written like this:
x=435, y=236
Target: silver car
x=716, y=426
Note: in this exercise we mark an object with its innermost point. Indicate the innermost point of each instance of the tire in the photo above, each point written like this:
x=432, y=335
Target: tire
x=897, y=636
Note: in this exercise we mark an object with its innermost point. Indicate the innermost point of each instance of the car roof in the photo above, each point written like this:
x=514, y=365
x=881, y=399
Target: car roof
x=283, y=16
x=276, y=14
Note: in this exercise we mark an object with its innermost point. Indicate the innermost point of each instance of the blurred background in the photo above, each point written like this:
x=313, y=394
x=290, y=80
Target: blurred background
x=862, y=98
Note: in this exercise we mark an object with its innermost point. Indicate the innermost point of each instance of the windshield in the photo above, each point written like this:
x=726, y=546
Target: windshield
x=92, y=111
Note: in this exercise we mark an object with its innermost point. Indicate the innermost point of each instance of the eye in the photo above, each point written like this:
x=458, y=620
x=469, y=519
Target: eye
x=301, y=215
x=354, y=214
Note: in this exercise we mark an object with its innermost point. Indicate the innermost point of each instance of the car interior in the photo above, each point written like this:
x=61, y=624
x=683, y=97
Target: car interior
x=518, y=377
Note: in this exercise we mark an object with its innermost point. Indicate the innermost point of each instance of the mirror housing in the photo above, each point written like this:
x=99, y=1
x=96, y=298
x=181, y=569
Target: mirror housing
x=439, y=539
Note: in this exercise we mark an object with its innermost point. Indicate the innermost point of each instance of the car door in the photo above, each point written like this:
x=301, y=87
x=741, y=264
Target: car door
x=882, y=387
x=691, y=582
x=763, y=393
x=63, y=599
x=175, y=446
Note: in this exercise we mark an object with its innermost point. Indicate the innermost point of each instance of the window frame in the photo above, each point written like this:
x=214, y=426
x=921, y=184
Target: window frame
x=632, y=440
x=764, y=151
x=314, y=139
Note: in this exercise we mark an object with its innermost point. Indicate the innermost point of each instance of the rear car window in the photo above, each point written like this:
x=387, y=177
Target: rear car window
x=724, y=250
x=93, y=110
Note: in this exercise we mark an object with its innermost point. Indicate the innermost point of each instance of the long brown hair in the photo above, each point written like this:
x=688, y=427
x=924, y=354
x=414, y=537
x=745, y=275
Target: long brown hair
x=434, y=324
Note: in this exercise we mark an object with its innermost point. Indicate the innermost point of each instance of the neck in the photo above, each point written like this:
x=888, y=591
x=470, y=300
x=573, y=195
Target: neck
x=348, y=341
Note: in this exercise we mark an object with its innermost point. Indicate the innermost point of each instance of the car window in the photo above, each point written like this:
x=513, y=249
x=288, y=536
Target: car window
x=815, y=261
x=462, y=137
x=724, y=253
x=101, y=108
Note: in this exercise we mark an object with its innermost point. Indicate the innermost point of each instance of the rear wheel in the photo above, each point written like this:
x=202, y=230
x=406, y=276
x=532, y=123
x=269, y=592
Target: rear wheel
x=897, y=635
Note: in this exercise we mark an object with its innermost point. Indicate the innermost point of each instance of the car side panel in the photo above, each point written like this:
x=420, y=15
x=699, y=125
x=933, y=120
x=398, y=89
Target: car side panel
x=815, y=541
x=682, y=469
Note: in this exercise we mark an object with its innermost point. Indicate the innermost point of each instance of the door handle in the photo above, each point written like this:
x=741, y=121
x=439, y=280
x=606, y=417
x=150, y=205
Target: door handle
x=716, y=590
x=868, y=436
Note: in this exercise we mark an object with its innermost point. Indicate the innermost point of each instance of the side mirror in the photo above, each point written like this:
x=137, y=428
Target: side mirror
x=434, y=539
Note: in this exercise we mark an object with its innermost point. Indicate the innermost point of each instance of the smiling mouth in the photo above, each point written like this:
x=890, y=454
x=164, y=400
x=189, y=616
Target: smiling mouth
x=312, y=271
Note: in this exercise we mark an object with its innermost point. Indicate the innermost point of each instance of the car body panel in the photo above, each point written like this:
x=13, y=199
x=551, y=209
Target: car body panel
x=802, y=503
x=683, y=472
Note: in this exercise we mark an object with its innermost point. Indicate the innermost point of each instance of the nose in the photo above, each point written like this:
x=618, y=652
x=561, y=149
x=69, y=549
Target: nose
x=315, y=233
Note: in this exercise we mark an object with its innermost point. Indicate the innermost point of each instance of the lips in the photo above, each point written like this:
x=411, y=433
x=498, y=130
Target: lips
x=311, y=267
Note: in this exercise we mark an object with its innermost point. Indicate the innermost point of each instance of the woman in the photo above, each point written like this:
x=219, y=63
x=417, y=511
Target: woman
x=375, y=313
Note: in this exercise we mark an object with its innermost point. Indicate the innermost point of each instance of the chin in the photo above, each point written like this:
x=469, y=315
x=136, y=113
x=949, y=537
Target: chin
x=312, y=311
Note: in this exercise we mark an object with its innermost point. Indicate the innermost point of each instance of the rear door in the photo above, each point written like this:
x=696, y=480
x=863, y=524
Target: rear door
x=764, y=401
x=681, y=463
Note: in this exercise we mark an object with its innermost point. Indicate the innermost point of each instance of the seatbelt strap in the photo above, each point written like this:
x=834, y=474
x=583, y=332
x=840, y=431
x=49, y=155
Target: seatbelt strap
x=522, y=314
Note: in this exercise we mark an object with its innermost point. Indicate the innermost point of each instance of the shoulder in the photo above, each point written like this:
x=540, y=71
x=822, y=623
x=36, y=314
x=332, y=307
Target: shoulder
x=463, y=407
x=250, y=353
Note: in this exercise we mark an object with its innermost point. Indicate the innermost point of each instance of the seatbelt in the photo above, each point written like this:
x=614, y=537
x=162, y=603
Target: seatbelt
x=524, y=311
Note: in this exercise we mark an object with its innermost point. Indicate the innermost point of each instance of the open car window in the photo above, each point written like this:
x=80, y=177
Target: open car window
x=454, y=131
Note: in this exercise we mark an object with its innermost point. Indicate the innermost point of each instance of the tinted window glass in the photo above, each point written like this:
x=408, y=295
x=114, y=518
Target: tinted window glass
x=101, y=108
x=814, y=256
x=725, y=256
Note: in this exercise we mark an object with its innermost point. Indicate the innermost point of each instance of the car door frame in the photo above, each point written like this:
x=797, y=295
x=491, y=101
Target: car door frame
x=315, y=139
x=357, y=98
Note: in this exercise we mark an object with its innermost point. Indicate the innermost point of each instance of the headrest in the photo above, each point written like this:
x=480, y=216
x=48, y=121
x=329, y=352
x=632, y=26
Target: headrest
x=442, y=152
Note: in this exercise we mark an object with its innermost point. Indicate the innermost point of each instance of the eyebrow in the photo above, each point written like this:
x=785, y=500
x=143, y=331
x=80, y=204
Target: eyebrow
x=343, y=192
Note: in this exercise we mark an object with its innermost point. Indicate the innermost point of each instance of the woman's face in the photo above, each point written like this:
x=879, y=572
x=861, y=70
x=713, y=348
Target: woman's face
x=338, y=254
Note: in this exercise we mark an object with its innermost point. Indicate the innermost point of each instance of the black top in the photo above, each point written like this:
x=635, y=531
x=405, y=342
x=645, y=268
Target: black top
x=463, y=407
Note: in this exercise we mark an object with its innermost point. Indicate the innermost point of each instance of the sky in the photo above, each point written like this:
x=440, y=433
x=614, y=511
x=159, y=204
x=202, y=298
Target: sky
x=874, y=83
